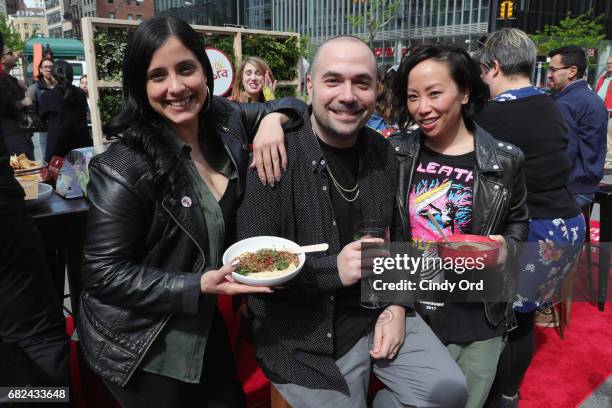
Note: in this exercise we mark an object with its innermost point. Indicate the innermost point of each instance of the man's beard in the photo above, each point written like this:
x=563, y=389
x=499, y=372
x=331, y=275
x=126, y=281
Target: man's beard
x=326, y=124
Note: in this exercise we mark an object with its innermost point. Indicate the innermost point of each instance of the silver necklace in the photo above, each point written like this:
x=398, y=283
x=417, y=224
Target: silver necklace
x=337, y=185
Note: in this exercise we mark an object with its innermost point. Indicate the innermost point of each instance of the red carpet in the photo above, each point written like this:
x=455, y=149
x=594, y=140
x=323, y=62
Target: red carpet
x=565, y=372
x=562, y=374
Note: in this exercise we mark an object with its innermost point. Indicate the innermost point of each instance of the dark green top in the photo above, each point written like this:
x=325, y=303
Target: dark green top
x=179, y=349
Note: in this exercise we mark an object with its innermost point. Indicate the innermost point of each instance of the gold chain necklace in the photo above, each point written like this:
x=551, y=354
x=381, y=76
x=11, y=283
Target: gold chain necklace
x=336, y=184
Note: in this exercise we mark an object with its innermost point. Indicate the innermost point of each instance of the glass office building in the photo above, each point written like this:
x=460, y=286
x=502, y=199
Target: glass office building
x=416, y=21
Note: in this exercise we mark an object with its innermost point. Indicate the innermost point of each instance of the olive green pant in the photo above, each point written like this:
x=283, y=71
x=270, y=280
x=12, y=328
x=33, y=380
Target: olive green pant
x=478, y=361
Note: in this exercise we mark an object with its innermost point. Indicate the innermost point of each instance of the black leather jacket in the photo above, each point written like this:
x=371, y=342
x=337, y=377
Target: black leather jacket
x=144, y=256
x=499, y=206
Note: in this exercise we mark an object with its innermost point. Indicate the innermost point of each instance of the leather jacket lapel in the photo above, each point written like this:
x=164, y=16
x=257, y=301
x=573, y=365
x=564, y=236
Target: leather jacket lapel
x=185, y=212
x=488, y=199
x=488, y=194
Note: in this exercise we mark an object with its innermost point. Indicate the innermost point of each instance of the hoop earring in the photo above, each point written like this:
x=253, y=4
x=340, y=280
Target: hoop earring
x=209, y=96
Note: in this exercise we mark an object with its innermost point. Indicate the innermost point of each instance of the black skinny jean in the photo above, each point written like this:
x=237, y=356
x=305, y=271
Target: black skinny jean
x=219, y=386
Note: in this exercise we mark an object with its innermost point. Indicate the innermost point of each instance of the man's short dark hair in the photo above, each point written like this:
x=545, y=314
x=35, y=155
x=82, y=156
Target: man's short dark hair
x=572, y=55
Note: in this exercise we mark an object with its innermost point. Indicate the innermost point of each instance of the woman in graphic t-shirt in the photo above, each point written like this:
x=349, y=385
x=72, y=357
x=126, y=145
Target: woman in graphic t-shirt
x=457, y=173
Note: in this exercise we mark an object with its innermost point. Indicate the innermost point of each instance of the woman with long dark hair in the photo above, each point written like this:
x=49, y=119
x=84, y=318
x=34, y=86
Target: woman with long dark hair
x=163, y=198
x=64, y=109
x=458, y=176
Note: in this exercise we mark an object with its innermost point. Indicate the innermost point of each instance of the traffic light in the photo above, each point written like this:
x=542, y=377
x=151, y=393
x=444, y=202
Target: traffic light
x=506, y=9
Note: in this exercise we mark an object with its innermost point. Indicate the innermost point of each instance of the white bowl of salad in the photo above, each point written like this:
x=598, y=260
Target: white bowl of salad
x=265, y=260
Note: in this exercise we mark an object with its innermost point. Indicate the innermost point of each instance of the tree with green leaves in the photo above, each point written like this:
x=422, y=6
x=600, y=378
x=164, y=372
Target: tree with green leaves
x=583, y=31
x=12, y=39
x=374, y=15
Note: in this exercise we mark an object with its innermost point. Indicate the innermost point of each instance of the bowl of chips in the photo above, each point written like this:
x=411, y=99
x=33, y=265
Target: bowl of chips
x=30, y=169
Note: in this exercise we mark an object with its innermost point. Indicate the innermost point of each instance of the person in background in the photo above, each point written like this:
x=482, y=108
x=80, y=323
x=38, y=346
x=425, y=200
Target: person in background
x=18, y=119
x=8, y=60
x=384, y=119
x=604, y=91
x=163, y=201
x=455, y=173
x=44, y=82
x=521, y=114
x=586, y=119
x=83, y=84
x=64, y=110
x=31, y=317
x=254, y=82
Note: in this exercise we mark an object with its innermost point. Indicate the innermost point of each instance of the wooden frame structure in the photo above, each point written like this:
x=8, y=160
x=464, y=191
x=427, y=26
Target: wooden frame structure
x=89, y=24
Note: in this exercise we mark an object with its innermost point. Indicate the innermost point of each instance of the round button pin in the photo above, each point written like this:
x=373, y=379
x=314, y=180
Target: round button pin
x=186, y=201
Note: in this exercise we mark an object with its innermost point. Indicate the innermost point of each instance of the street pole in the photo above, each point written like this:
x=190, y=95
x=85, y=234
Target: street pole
x=493, y=16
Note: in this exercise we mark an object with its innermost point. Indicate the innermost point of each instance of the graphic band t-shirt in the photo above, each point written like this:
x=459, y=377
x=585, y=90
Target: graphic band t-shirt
x=443, y=186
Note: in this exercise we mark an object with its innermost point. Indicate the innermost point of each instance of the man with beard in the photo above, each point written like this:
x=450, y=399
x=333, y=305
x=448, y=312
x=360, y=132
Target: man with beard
x=314, y=340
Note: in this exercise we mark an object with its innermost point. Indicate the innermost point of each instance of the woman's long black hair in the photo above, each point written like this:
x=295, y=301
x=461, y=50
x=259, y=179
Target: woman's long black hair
x=138, y=125
x=63, y=74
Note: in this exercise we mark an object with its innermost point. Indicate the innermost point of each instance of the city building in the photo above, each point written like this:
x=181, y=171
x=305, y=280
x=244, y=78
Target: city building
x=76, y=13
x=3, y=8
x=258, y=14
x=118, y=9
x=57, y=12
x=29, y=23
x=125, y=9
x=35, y=4
x=12, y=6
x=204, y=12
x=416, y=21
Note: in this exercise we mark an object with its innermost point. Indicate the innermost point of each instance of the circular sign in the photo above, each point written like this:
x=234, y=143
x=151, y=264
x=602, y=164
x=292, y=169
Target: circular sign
x=223, y=71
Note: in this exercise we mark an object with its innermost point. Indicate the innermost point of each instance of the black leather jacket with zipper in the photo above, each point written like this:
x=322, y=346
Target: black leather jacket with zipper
x=144, y=255
x=498, y=200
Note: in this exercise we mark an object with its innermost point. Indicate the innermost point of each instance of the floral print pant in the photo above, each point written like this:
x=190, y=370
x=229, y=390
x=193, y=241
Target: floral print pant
x=551, y=252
